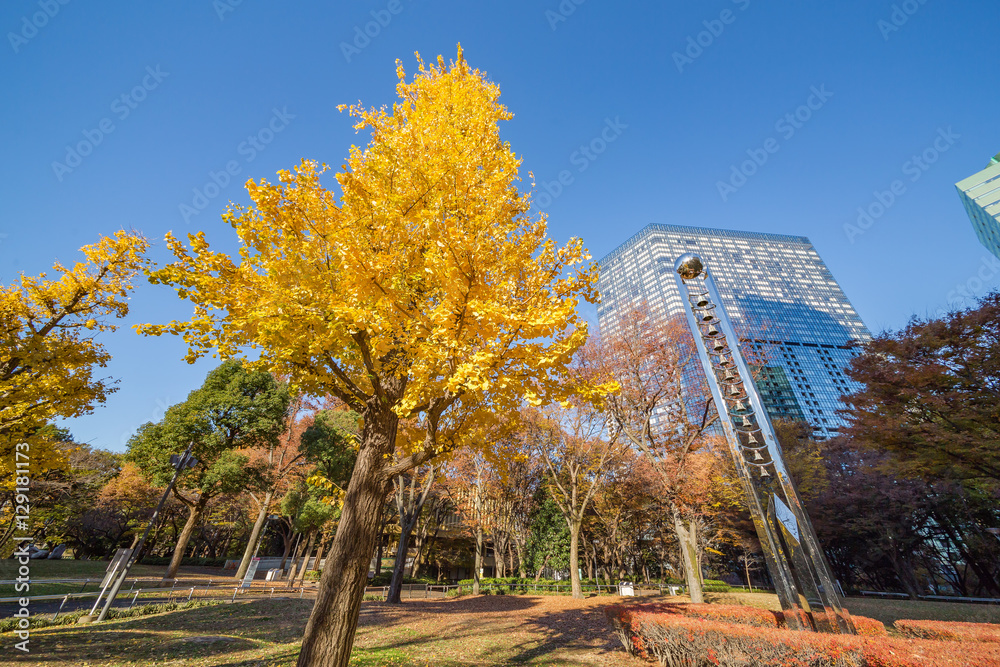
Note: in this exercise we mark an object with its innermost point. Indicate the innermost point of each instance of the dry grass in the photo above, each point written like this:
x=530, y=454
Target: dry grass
x=485, y=630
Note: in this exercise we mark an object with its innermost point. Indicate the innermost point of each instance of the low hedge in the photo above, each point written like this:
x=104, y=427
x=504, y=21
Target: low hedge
x=515, y=585
x=199, y=562
x=869, y=627
x=531, y=582
x=949, y=631
x=752, y=616
x=677, y=635
x=385, y=578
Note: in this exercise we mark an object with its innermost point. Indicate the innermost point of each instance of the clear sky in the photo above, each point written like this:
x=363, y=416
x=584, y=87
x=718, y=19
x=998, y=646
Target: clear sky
x=117, y=115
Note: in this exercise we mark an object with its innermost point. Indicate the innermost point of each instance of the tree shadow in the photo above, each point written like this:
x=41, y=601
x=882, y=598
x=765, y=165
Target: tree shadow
x=473, y=604
x=151, y=647
x=555, y=637
x=585, y=628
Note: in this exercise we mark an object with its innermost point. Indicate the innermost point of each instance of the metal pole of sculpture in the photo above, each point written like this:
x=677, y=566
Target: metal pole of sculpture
x=792, y=552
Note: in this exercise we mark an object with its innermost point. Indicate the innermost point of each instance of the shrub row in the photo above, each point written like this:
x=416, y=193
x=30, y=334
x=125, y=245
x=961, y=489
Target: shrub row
x=753, y=616
x=200, y=562
x=869, y=627
x=385, y=578
x=530, y=581
x=676, y=637
x=515, y=585
x=950, y=631
x=727, y=613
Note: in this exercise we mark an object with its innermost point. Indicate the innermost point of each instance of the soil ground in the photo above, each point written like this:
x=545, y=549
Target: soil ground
x=482, y=630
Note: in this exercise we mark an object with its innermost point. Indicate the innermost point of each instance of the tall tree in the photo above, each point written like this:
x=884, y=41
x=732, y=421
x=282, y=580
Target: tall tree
x=234, y=409
x=518, y=480
x=577, y=453
x=470, y=477
x=62, y=499
x=49, y=351
x=664, y=409
x=548, y=545
x=932, y=395
x=411, y=491
x=425, y=285
x=280, y=458
x=310, y=511
x=330, y=444
x=129, y=499
x=869, y=514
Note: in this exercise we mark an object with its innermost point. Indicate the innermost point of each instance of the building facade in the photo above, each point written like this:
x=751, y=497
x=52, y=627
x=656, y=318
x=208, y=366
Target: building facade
x=980, y=194
x=777, y=291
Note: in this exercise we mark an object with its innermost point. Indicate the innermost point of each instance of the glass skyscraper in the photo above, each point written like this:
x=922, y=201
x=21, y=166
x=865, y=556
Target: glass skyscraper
x=980, y=194
x=777, y=291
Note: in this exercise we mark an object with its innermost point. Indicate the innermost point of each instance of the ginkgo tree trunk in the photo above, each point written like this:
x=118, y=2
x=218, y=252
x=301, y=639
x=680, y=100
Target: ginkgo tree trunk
x=423, y=290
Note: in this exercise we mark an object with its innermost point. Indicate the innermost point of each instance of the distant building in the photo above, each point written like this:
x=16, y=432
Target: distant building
x=774, y=287
x=980, y=194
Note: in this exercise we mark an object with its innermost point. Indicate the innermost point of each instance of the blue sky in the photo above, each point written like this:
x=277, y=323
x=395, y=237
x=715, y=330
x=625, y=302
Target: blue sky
x=667, y=98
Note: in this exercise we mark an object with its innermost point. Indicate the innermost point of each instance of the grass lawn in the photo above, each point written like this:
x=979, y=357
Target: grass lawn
x=72, y=569
x=485, y=630
x=90, y=569
x=65, y=569
x=481, y=630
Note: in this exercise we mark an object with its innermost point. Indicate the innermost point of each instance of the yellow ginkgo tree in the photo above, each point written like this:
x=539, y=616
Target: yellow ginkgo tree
x=425, y=290
x=48, y=351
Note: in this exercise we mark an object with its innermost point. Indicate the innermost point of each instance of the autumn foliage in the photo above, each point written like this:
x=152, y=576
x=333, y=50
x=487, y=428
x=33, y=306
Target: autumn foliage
x=950, y=631
x=423, y=290
x=677, y=635
x=49, y=358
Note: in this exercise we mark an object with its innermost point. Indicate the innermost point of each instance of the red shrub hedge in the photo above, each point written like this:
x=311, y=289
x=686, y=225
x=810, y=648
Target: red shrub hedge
x=728, y=613
x=675, y=639
x=761, y=618
x=950, y=631
x=869, y=627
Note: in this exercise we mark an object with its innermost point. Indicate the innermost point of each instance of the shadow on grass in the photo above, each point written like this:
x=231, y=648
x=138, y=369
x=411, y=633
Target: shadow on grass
x=123, y=644
x=491, y=630
x=191, y=633
x=583, y=629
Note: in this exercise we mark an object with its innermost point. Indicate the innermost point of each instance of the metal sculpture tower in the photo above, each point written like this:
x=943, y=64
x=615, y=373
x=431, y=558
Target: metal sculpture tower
x=791, y=550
